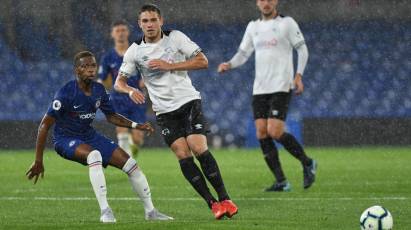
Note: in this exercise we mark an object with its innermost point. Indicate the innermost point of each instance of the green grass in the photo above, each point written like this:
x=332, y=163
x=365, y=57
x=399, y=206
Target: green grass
x=349, y=180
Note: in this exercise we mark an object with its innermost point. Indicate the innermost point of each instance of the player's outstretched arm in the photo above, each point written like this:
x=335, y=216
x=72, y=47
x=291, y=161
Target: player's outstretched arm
x=118, y=120
x=199, y=61
x=36, y=169
x=121, y=86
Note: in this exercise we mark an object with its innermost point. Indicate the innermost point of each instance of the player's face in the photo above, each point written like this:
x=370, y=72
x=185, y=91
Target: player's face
x=87, y=69
x=150, y=23
x=120, y=33
x=267, y=6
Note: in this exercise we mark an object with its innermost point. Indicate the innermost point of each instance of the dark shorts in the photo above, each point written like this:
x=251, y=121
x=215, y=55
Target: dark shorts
x=183, y=122
x=66, y=146
x=273, y=105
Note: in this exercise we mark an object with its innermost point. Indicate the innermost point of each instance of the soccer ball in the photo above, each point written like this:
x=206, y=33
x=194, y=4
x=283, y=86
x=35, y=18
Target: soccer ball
x=376, y=218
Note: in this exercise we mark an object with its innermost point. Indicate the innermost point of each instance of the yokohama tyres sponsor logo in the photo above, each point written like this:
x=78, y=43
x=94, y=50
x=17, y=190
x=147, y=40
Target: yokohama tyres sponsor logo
x=87, y=116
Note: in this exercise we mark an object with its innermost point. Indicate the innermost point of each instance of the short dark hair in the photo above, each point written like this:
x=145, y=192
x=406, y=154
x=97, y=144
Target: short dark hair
x=120, y=22
x=81, y=55
x=150, y=7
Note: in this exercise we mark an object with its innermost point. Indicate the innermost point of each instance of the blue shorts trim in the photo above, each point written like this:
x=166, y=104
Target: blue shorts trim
x=66, y=146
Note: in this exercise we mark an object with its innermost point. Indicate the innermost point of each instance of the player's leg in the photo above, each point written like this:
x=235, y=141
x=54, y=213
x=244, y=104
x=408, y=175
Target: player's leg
x=198, y=145
x=86, y=154
x=261, y=111
x=276, y=130
x=190, y=170
x=173, y=129
x=196, y=130
x=121, y=160
x=123, y=137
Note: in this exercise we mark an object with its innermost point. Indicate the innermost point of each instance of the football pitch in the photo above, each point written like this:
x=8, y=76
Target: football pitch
x=349, y=181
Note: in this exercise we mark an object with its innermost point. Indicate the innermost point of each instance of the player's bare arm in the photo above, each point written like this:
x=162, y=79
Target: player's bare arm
x=199, y=61
x=119, y=120
x=37, y=169
x=121, y=86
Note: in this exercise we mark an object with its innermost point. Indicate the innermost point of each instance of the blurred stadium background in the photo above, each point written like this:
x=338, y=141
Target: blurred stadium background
x=358, y=84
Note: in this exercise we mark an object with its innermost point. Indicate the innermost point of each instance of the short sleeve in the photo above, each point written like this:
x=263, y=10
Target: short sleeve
x=185, y=45
x=104, y=68
x=129, y=65
x=246, y=44
x=106, y=106
x=295, y=36
x=59, y=105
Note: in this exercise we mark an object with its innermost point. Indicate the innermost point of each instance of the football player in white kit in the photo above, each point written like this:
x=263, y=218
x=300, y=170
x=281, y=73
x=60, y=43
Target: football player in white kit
x=163, y=59
x=273, y=38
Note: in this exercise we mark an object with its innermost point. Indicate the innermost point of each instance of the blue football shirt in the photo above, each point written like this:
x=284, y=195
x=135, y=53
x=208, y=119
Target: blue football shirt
x=74, y=111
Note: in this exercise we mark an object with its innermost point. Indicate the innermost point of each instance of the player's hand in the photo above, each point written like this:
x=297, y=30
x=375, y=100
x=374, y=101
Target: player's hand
x=298, y=83
x=36, y=169
x=158, y=64
x=146, y=127
x=137, y=96
x=223, y=67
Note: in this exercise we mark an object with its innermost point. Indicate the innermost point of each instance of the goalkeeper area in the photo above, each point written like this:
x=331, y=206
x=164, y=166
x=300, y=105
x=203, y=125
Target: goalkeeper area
x=349, y=181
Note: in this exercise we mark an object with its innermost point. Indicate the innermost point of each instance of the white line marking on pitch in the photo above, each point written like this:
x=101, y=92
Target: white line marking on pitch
x=197, y=199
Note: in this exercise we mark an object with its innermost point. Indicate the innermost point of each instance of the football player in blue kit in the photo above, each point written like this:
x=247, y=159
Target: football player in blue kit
x=72, y=111
x=107, y=73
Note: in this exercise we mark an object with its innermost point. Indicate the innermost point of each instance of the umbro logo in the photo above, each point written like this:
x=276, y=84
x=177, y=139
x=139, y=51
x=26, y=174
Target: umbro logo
x=274, y=112
x=165, y=132
x=198, y=126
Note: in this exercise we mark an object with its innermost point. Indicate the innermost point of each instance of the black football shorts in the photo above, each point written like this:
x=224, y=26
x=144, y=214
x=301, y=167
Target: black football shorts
x=183, y=122
x=274, y=105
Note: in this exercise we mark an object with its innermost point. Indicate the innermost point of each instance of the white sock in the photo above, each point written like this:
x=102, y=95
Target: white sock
x=139, y=183
x=98, y=181
x=123, y=142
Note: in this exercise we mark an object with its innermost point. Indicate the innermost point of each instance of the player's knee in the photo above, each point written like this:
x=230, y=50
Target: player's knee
x=198, y=149
x=276, y=133
x=261, y=133
x=182, y=154
x=130, y=166
x=93, y=157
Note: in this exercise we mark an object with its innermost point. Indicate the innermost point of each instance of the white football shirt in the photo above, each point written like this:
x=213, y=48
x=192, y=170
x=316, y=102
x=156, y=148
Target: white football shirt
x=273, y=42
x=168, y=90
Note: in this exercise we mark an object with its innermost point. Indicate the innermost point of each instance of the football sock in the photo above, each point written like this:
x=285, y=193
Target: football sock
x=292, y=146
x=123, y=142
x=139, y=183
x=213, y=175
x=98, y=181
x=193, y=174
x=271, y=158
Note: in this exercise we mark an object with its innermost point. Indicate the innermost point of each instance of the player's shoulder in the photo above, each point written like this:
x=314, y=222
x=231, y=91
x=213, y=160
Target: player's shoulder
x=174, y=34
x=287, y=19
x=99, y=87
x=67, y=89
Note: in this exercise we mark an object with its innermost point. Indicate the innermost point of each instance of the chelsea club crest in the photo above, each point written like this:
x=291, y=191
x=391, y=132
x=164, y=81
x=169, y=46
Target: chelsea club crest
x=98, y=102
